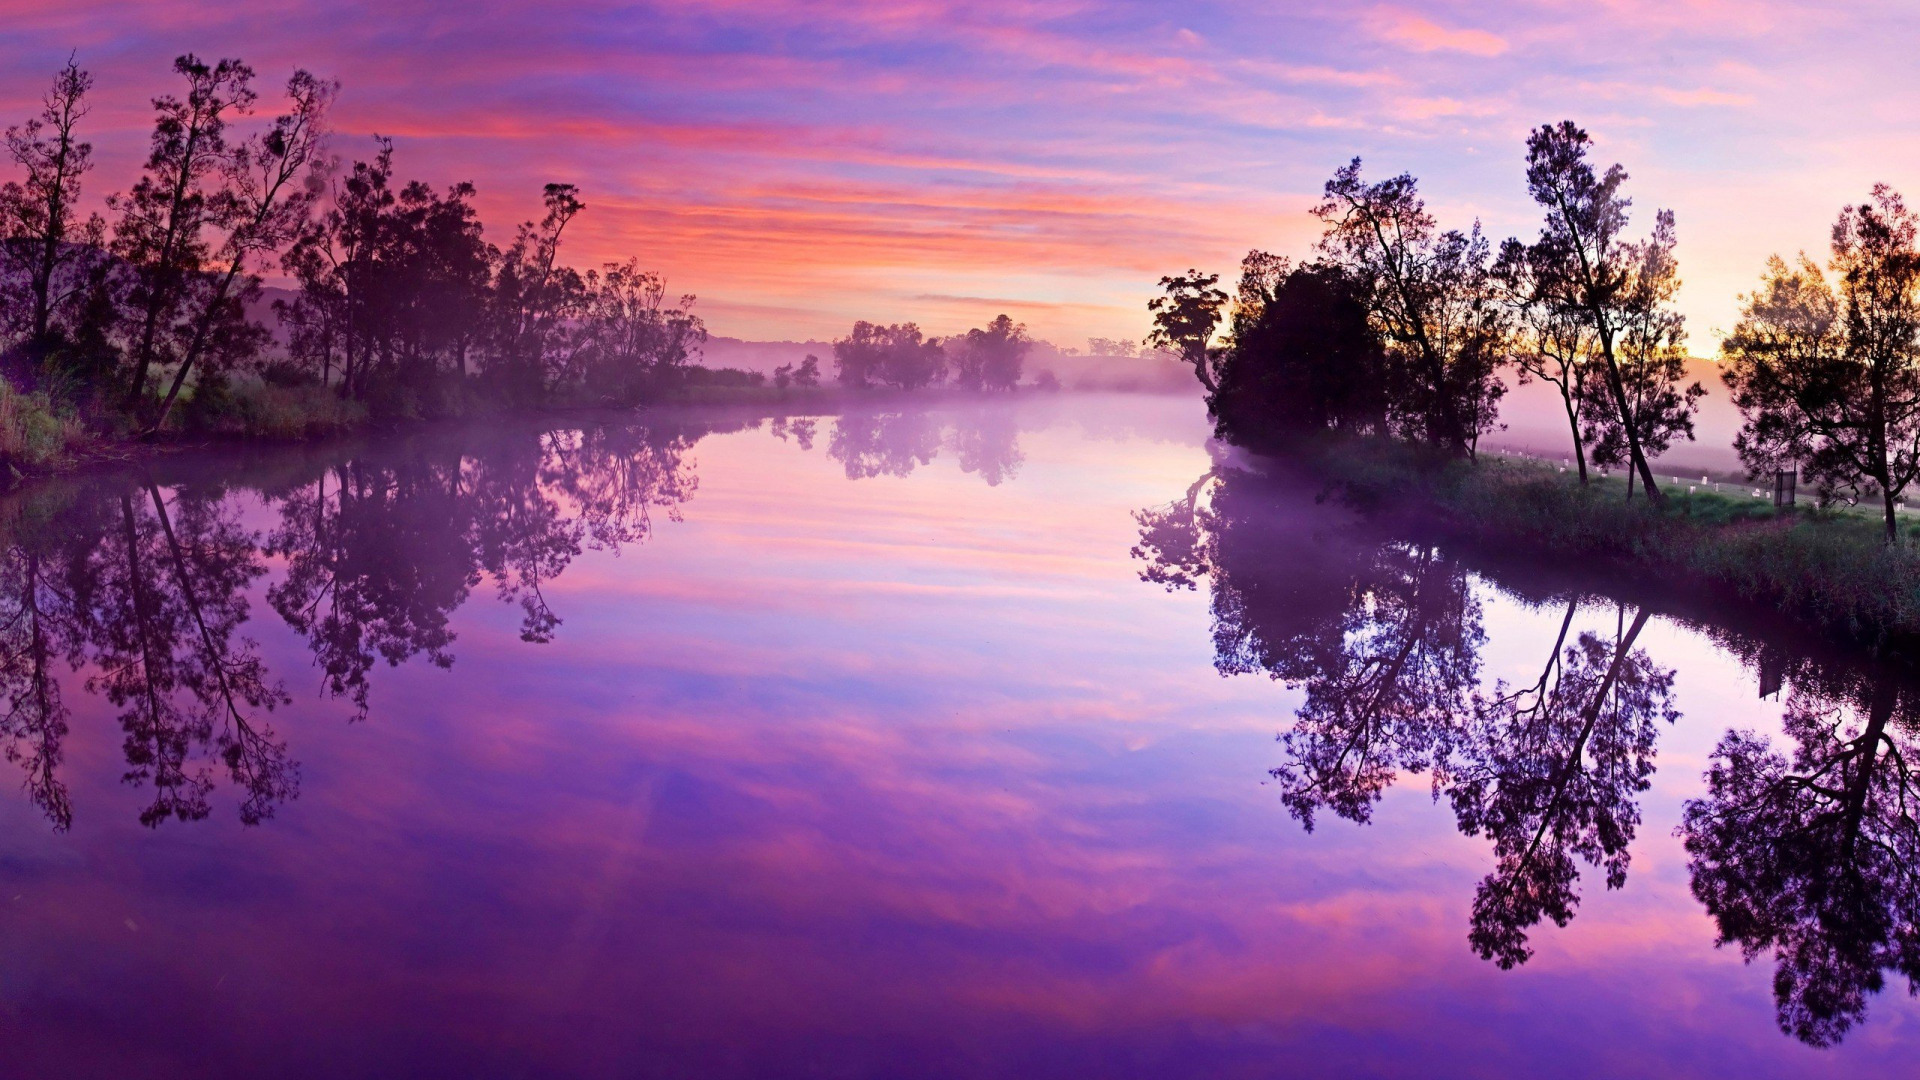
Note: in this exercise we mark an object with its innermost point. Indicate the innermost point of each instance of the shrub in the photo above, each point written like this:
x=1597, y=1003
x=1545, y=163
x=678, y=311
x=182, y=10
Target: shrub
x=33, y=431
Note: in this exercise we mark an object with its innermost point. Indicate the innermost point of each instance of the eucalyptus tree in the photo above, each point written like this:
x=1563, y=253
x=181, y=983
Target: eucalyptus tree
x=1830, y=380
x=1303, y=356
x=1652, y=364
x=1185, y=316
x=535, y=299
x=1432, y=296
x=1550, y=343
x=45, y=244
x=897, y=355
x=163, y=224
x=632, y=336
x=1622, y=290
x=271, y=182
x=990, y=357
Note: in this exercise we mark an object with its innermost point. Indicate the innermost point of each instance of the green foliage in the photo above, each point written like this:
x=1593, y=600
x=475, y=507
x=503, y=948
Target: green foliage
x=250, y=408
x=34, y=432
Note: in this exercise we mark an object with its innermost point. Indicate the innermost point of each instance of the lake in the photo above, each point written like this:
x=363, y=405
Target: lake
x=969, y=739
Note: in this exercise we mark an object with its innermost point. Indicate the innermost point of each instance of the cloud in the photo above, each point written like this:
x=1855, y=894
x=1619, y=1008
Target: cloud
x=1424, y=35
x=1701, y=97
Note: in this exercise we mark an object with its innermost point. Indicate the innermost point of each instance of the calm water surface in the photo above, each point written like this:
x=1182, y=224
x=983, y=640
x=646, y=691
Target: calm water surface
x=858, y=746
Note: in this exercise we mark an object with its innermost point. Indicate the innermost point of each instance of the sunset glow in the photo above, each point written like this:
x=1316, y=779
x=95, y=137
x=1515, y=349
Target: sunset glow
x=800, y=164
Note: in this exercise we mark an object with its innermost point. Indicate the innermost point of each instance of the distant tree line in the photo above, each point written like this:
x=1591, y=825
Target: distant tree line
x=402, y=304
x=899, y=357
x=1398, y=327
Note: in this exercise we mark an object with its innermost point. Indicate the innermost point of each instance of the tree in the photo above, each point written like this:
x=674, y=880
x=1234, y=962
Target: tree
x=1184, y=320
x=271, y=183
x=533, y=299
x=1832, y=381
x=632, y=338
x=896, y=356
x=1623, y=290
x=1432, y=297
x=808, y=373
x=1303, y=355
x=1551, y=343
x=45, y=246
x=991, y=358
x=1650, y=363
x=395, y=283
x=164, y=218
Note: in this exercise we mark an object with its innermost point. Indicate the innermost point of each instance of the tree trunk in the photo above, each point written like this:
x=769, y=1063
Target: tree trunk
x=1573, y=422
x=1893, y=529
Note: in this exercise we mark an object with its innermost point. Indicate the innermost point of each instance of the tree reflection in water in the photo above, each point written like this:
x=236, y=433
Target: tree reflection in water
x=1814, y=855
x=985, y=440
x=1384, y=639
x=1811, y=854
x=144, y=589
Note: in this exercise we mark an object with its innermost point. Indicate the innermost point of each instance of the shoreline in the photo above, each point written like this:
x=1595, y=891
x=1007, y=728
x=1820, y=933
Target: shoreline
x=1823, y=572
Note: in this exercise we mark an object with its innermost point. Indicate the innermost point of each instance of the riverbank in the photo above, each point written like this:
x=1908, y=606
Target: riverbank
x=1828, y=571
x=40, y=437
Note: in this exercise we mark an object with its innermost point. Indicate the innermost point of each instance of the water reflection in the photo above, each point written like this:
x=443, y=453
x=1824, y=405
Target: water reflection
x=1812, y=856
x=984, y=439
x=145, y=592
x=143, y=587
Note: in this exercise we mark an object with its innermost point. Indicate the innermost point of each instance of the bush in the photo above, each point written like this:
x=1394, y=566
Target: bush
x=259, y=409
x=34, y=432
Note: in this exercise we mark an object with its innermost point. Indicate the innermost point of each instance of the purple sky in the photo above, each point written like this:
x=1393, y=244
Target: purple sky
x=800, y=164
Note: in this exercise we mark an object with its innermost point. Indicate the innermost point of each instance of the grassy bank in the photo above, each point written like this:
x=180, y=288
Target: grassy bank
x=1828, y=570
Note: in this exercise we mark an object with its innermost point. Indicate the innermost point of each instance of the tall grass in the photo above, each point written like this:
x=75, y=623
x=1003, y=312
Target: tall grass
x=34, y=432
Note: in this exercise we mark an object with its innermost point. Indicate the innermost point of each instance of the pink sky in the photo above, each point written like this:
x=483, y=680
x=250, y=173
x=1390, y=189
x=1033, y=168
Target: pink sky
x=802, y=163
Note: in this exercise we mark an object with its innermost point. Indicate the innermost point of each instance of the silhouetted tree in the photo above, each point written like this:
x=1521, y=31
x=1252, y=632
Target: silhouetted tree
x=1551, y=342
x=990, y=358
x=1833, y=382
x=394, y=286
x=1432, y=297
x=1185, y=316
x=46, y=248
x=1650, y=363
x=631, y=339
x=895, y=356
x=533, y=302
x=1303, y=355
x=270, y=184
x=163, y=221
x=1624, y=292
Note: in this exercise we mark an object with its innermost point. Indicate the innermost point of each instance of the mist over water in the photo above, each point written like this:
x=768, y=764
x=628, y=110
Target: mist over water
x=714, y=744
